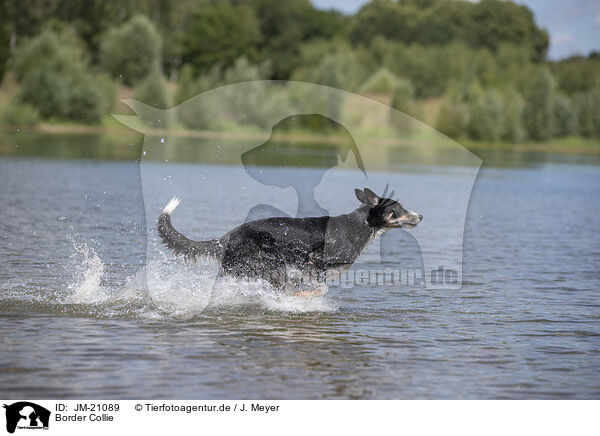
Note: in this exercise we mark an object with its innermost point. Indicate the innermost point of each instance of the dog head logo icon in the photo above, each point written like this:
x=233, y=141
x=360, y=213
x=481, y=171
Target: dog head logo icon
x=27, y=415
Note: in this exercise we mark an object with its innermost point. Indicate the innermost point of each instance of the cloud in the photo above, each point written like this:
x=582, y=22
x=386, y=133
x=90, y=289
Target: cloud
x=562, y=38
x=597, y=19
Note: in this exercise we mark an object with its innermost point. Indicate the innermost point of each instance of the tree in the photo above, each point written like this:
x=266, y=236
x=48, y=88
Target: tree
x=486, y=117
x=453, y=117
x=153, y=90
x=287, y=24
x=403, y=101
x=391, y=20
x=513, y=116
x=219, y=35
x=483, y=24
x=538, y=117
x=131, y=51
x=55, y=79
x=587, y=108
x=577, y=73
x=493, y=22
x=564, y=115
x=382, y=82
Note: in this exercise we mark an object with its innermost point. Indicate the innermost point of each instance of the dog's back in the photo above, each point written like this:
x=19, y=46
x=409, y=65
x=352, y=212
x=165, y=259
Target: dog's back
x=270, y=248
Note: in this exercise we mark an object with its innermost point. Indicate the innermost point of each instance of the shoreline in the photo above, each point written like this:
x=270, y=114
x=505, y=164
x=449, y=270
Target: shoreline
x=568, y=146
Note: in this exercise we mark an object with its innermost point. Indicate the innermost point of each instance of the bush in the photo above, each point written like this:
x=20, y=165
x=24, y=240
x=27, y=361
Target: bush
x=332, y=63
x=189, y=86
x=153, y=90
x=55, y=79
x=538, y=117
x=333, y=69
x=403, y=101
x=486, y=117
x=48, y=91
x=21, y=114
x=131, y=50
x=587, y=108
x=453, y=118
x=565, y=118
x=382, y=82
x=403, y=95
x=247, y=102
x=59, y=51
x=220, y=34
x=203, y=113
x=86, y=101
x=513, y=116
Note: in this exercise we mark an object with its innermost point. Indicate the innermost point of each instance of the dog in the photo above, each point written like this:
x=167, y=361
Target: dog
x=294, y=251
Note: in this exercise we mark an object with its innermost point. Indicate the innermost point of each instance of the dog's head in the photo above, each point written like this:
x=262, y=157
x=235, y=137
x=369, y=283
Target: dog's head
x=386, y=213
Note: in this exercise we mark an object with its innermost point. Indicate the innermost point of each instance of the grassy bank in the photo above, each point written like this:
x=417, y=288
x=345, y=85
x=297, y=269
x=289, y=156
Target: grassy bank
x=568, y=145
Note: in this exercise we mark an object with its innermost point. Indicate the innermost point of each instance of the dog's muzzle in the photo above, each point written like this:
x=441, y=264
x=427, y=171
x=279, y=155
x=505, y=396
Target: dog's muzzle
x=410, y=220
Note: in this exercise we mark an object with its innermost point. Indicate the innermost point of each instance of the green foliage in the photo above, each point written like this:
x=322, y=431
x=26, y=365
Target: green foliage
x=60, y=51
x=247, y=103
x=131, y=51
x=330, y=71
x=382, y=82
x=403, y=95
x=219, y=35
x=538, y=116
x=587, y=108
x=485, y=59
x=203, y=112
x=5, y=31
x=21, y=114
x=486, y=117
x=153, y=90
x=332, y=63
x=55, y=79
x=393, y=20
x=565, y=117
x=189, y=85
x=285, y=25
x=483, y=24
x=514, y=105
x=577, y=74
x=453, y=117
x=403, y=101
x=431, y=69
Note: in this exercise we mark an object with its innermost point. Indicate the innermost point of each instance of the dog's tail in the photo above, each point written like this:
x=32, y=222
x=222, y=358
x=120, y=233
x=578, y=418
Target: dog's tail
x=178, y=242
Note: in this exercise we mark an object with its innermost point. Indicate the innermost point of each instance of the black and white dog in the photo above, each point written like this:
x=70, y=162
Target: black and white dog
x=278, y=249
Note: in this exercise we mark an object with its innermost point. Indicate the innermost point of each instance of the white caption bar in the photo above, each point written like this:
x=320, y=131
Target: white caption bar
x=23, y=417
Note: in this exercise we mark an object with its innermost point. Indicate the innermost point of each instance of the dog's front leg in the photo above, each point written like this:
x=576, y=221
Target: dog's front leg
x=319, y=290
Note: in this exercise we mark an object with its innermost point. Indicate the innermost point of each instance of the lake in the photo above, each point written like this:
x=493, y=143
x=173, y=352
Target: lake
x=90, y=309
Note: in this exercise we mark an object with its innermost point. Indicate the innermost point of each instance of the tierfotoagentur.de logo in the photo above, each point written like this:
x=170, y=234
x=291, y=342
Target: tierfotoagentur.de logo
x=26, y=415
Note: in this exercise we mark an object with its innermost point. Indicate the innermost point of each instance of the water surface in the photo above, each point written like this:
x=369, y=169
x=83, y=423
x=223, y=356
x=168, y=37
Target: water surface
x=77, y=319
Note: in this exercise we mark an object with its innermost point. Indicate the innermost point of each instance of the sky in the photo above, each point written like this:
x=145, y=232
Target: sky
x=573, y=25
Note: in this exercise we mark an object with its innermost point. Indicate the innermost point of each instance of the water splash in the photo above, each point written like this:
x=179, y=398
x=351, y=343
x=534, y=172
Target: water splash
x=87, y=289
x=169, y=288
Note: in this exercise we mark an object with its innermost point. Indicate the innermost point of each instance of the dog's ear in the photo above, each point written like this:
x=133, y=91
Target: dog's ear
x=361, y=196
x=372, y=198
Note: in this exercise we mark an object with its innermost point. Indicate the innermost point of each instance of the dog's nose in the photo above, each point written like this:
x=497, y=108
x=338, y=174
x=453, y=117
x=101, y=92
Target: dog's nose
x=420, y=217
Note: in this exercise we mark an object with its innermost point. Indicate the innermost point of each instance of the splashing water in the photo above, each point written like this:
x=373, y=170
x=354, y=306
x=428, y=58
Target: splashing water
x=172, y=288
x=88, y=290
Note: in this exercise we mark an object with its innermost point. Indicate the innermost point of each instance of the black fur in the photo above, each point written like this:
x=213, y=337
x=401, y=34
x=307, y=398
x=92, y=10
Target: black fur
x=271, y=248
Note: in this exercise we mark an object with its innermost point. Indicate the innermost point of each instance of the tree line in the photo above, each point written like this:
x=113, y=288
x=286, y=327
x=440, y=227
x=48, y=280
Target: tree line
x=481, y=66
